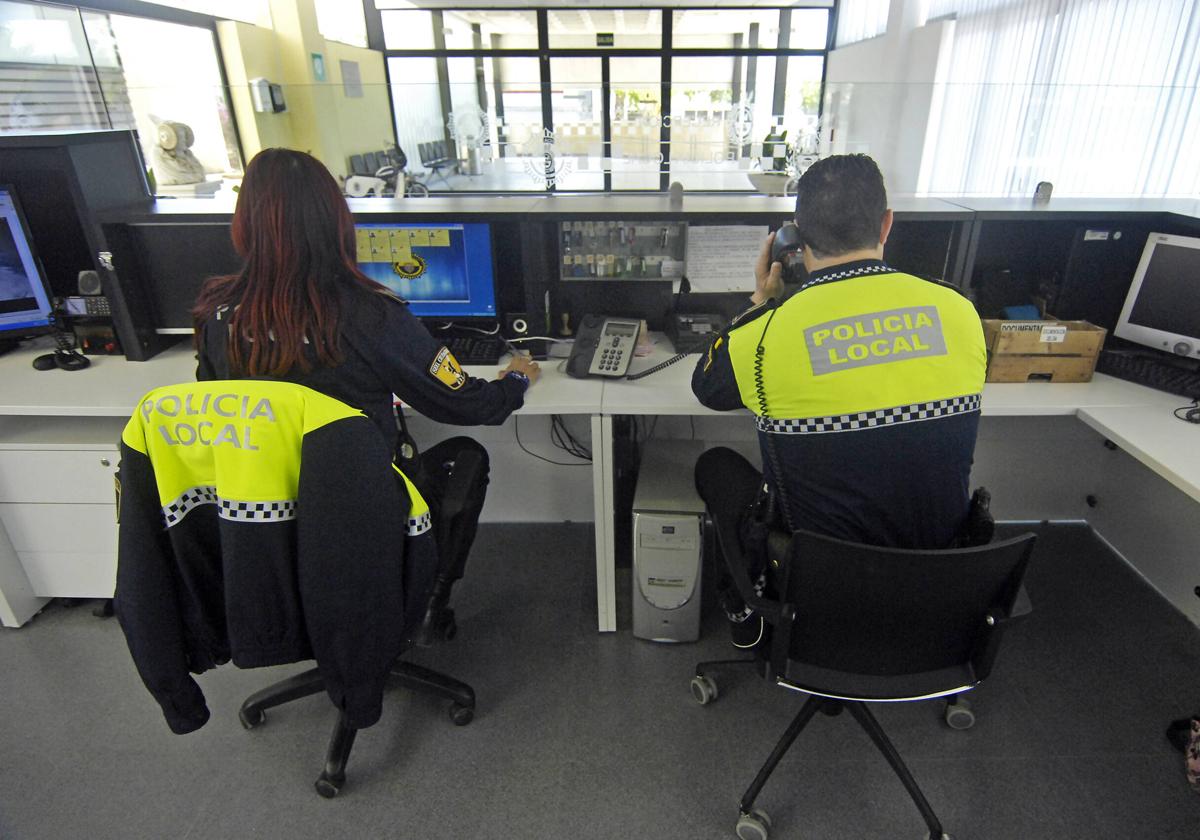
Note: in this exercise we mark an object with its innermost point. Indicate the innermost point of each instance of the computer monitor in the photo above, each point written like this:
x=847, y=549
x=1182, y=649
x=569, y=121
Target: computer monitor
x=443, y=269
x=25, y=305
x=1162, y=309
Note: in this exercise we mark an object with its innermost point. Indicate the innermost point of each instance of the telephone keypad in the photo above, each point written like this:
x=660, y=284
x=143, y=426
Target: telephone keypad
x=614, y=348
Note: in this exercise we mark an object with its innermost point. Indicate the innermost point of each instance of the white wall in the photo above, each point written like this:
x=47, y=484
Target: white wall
x=879, y=95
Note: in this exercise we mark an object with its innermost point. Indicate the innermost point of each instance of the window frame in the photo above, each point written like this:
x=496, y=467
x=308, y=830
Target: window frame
x=666, y=52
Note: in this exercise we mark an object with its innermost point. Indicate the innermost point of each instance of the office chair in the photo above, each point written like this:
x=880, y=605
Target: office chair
x=283, y=537
x=453, y=534
x=857, y=624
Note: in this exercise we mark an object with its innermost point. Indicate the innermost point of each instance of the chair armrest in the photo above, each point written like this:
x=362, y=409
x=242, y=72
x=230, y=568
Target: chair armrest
x=1022, y=606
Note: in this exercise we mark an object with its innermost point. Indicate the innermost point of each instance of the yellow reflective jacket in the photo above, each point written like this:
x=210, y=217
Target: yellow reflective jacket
x=263, y=522
x=869, y=382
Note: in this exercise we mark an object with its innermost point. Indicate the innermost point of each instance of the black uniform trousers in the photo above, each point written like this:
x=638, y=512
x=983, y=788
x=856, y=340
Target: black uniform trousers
x=431, y=474
x=730, y=487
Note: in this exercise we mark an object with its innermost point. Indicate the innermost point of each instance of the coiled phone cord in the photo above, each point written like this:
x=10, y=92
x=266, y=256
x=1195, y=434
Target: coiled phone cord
x=760, y=392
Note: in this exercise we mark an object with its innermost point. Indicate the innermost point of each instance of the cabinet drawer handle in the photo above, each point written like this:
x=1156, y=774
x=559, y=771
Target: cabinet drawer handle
x=104, y=462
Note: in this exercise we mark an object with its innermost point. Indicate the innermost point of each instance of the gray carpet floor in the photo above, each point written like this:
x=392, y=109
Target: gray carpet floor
x=581, y=735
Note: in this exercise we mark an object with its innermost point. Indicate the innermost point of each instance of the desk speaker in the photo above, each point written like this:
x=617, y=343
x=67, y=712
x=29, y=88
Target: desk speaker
x=518, y=325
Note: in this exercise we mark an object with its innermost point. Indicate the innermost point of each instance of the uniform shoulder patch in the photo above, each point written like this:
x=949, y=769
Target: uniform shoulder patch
x=447, y=370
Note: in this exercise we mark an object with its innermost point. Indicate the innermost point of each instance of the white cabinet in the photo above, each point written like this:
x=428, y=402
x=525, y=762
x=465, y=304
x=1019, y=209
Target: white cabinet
x=58, y=502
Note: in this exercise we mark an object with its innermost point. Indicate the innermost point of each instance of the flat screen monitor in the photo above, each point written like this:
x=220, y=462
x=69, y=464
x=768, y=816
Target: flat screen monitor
x=443, y=270
x=25, y=305
x=1162, y=309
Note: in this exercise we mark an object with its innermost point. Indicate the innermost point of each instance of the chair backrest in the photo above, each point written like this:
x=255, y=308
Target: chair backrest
x=373, y=163
x=268, y=491
x=884, y=612
x=439, y=149
x=358, y=166
x=424, y=153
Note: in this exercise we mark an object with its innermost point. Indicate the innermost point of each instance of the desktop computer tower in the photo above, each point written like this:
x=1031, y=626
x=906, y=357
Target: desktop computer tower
x=667, y=543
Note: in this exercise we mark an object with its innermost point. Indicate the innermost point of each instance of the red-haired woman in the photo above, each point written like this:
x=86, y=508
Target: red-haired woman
x=301, y=311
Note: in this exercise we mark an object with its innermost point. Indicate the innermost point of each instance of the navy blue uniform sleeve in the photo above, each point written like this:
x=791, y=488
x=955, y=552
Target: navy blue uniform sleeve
x=351, y=519
x=146, y=599
x=205, y=371
x=426, y=376
x=713, y=381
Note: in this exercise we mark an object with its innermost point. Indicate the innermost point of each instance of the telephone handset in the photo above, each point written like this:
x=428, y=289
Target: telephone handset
x=603, y=347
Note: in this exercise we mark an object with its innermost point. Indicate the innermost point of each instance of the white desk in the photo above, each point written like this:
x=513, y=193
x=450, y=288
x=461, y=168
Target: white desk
x=1138, y=419
x=58, y=449
x=73, y=419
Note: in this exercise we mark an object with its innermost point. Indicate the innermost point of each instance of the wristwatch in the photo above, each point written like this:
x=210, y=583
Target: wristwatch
x=516, y=374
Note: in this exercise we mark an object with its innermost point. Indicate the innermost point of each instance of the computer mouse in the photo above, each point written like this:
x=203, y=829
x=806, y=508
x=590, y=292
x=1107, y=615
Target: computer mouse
x=44, y=362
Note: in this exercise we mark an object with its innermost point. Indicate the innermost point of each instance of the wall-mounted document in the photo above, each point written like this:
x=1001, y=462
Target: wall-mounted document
x=720, y=258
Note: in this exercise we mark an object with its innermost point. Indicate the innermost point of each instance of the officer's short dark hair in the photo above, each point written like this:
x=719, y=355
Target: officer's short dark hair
x=840, y=203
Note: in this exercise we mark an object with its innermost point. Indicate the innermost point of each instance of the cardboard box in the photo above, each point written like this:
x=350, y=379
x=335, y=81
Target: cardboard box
x=1042, y=351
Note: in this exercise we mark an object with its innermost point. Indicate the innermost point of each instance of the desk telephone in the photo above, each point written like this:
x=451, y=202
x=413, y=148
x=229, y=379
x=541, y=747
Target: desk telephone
x=603, y=347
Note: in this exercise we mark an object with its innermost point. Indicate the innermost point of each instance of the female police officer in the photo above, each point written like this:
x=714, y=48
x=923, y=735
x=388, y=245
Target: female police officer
x=300, y=310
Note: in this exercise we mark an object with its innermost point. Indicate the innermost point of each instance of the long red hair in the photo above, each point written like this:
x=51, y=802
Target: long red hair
x=296, y=235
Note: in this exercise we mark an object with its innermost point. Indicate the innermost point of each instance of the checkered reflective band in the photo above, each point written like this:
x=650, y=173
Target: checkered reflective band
x=871, y=419
x=419, y=524
x=846, y=275
x=260, y=511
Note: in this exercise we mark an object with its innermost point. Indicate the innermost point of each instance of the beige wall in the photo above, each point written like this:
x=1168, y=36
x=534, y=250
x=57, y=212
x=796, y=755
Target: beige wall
x=320, y=118
x=365, y=124
x=250, y=53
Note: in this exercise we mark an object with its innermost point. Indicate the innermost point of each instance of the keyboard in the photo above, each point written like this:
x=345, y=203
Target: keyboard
x=1175, y=377
x=476, y=349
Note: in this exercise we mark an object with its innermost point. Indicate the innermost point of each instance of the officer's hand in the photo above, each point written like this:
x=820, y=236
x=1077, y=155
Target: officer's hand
x=768, y=276
x=523, y=364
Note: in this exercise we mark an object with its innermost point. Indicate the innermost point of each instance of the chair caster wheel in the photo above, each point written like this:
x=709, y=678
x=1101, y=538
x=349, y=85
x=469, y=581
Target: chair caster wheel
x=251, y=718
x=704, y=689
x=753, y=826
x=328, y=787
x=461, y=715
x=959, y=715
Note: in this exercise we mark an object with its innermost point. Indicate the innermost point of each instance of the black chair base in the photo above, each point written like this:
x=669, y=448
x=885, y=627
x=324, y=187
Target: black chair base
x=406, y=674
x=756, y=823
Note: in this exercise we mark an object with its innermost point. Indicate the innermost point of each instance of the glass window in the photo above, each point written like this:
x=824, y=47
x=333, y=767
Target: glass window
x=490, y=29
x=257, y=12
x=712, y=122
x=47, y=66
x=342, y=20
x=576, y=106
x=493, y=127
x=809, y=29
x=718, y=29
x=154, y=73
x=636, y=118
x=518, y=127
x=629, y=28
x=407, y=29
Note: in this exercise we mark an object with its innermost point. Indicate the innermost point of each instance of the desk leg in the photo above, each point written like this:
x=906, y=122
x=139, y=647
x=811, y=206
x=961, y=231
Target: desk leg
x=602, y=494
x=18, y=604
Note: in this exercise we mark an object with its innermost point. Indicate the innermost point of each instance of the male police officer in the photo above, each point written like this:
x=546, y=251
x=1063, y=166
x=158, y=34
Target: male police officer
x=865, y=382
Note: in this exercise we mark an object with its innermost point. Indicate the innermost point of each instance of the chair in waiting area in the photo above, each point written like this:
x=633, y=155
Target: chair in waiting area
x=434, y=158
x=857, y=624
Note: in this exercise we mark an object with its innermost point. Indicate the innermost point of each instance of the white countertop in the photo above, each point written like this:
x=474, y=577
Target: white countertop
x=112, y=386
x=1137, y=418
